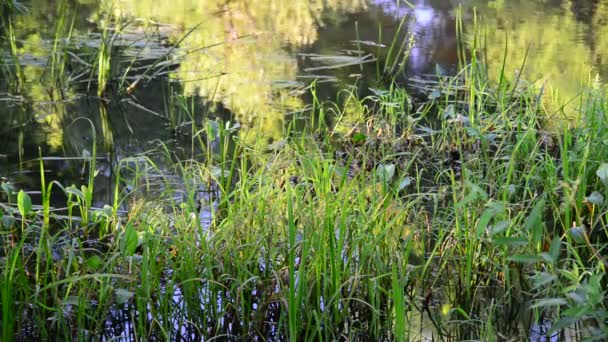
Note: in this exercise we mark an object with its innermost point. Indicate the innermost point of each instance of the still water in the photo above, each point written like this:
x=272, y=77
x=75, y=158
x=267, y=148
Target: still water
x=251, y=62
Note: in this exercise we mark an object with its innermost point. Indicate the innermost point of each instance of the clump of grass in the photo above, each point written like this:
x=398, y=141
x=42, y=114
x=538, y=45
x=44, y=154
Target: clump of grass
x=464, y=227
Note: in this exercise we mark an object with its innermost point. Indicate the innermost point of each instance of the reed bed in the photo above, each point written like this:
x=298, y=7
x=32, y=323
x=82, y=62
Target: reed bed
x=458, y=209
x=440, y=227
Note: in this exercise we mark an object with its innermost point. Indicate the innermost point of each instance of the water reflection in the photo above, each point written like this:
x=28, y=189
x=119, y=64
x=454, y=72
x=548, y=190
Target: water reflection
x=564, y=52
x=434, y=27
x=249, y=43
x=242, y=54
x=565, y=40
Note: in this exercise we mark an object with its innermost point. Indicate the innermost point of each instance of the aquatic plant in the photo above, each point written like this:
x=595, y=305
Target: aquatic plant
x=453, y=210
x=464, y=226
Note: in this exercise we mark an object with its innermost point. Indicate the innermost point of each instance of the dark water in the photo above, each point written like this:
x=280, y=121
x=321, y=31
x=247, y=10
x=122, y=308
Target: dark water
x=250, y=62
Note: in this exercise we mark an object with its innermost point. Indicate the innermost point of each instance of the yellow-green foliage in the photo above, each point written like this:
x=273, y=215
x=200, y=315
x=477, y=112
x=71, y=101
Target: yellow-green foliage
x=250, y=39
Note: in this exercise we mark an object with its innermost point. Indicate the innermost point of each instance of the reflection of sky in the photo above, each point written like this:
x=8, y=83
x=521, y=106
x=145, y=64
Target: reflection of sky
x=421, y=12
x=393, y=8
x=425, y=19
x=424, y=15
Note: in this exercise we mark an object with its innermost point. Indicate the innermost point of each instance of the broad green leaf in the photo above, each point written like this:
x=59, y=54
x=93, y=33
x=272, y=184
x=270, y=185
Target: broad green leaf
x=213, y=130
x=445, y=309
x=475, y=192
x=72, y=190
x=511, y=241
x=24, y=203
x=512, y=190
x=135, y=259
x=543, y=278
x=129, y=241
x=7, y=221
x=71, y=300
x=232, y=128
x=595, y=198
x=478, y=190
x=359, y=138
x=578, y=233
x=547, y=257
x=552, y=254
x=340, y=171
x=473, y=132
x=379, y=92
x=526, y=258
x=218, y=172
x=386, y=172
x=435, y=94
x=492, y=209
x=404, y=183
x=555, y=247
x=577, y=297
x=108, y=210
x=449, y=111
x=123, y=296
x=93, y=263
x=595, y=290
x=602, y=173
x=561, y=324
x=499, y=227
x=534, y=222
x=577, y=311
x=440, y=70
x=8, y=190
x=545, y=302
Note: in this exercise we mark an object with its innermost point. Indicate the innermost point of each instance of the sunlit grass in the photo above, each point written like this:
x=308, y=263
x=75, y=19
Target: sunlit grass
x=463, y=213
x=444, y=227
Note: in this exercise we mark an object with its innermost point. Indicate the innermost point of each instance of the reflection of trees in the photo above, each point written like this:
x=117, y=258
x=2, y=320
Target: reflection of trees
x=566, y=38
x=600, y=38
x=560, y=48
x=34, y=25
x=584, y=9
x=251, y=55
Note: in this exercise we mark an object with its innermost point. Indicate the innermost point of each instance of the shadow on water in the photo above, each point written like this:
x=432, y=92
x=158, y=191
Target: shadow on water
x=124, y=126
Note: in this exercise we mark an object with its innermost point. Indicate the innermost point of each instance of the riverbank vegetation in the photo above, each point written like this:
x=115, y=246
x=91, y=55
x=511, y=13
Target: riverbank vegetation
x=465, y=210
x=465, y=217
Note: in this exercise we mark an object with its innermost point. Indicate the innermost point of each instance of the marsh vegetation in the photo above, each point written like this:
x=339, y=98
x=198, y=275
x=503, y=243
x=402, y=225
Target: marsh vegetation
x=210, y=170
